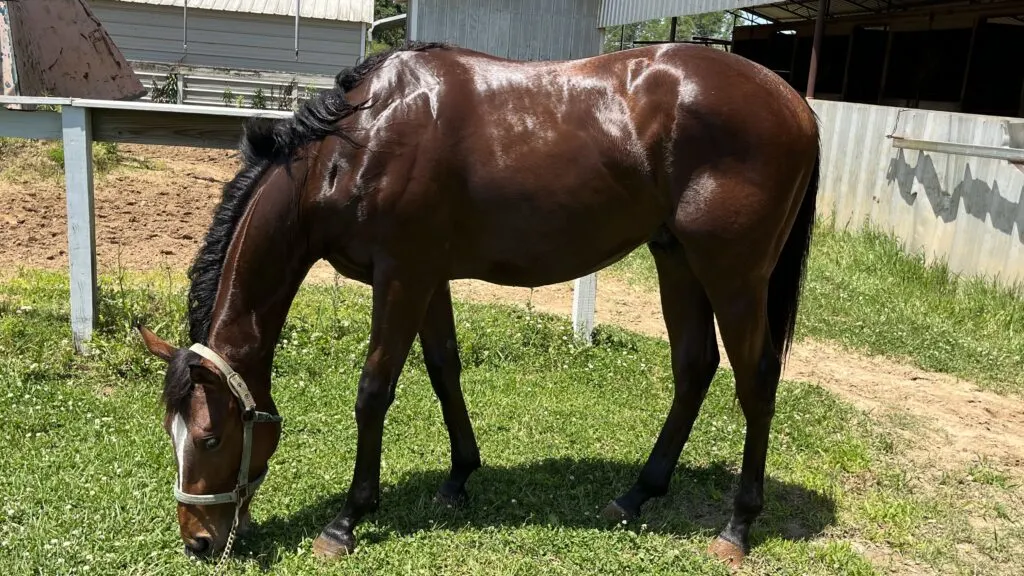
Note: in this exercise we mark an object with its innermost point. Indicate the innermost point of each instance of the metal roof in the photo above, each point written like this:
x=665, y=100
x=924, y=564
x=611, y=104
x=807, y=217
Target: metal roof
x=617, y=12
x=344, y=10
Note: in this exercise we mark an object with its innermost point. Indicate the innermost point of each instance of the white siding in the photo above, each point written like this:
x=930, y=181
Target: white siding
x=517, y=29
x=229, y=39
x=345, y=10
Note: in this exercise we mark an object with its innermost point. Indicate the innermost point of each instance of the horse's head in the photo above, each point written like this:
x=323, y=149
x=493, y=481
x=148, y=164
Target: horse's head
x=221, y=442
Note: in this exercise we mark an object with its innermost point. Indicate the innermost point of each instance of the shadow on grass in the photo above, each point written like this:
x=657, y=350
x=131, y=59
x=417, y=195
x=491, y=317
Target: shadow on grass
x=554, y=492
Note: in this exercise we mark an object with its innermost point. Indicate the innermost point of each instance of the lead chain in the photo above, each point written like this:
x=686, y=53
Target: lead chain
x=231, y=539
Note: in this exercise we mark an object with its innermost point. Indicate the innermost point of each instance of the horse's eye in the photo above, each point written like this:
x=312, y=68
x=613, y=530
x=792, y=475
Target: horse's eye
x=211, y=443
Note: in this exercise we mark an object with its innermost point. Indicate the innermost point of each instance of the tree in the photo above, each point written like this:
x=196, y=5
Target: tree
x=710, y=25
x=385, y=39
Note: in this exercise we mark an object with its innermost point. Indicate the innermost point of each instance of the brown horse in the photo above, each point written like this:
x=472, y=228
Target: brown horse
x=434, y=163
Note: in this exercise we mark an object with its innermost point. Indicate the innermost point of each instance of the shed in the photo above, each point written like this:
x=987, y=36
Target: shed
x=240, y=35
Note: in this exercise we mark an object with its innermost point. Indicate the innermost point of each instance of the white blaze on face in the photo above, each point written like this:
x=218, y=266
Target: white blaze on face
x=179, y=436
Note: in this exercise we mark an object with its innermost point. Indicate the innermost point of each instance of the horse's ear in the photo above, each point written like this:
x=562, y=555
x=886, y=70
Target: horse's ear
x=156, y=345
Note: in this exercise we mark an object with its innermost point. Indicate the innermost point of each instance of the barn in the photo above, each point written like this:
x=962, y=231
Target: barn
x=211, y=47
x=937, y=54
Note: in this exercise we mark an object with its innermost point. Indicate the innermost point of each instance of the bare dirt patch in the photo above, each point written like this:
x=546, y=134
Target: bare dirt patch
x=146, y=219
x=962, y=420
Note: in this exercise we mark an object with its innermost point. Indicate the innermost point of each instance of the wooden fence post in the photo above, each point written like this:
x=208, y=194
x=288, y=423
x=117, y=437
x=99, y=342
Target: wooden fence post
x=584, y=300
x=77, y=134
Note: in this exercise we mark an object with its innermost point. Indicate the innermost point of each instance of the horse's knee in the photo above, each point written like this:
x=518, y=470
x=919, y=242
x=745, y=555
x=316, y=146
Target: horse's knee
x=373, y=398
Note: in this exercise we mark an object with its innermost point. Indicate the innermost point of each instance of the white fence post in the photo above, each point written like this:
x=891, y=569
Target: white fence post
x=77, y=134
x=584, y=300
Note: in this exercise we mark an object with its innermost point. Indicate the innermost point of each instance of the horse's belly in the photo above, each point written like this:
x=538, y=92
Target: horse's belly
x=546, y=237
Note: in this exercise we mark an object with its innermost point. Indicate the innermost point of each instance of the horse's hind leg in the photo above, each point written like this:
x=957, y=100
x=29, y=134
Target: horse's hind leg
x=691, y=333
x=441, y=356
x=742, y=317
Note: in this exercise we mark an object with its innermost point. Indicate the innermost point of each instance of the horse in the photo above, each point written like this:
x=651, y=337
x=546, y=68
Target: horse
x=430, y=163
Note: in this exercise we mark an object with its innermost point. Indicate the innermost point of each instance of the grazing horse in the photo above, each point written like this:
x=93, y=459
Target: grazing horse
x=432, y=163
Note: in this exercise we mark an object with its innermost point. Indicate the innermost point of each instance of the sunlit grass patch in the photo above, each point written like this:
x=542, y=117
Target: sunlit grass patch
x=563, y=428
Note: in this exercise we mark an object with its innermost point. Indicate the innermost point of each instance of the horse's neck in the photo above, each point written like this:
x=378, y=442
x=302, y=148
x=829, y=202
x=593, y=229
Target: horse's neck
x=266, y=262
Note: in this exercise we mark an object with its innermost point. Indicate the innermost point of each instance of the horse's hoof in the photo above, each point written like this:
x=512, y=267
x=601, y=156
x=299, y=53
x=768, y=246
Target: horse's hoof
x=330, y=548
x=727, y=552
x=615, y=513
x=451, y=498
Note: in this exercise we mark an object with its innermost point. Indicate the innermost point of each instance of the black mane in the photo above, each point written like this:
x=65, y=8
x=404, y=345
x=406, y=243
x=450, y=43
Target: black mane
x=178, y=381
x=265, y=142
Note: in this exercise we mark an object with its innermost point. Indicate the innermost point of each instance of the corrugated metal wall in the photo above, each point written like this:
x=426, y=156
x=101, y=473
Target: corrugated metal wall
x=518, y=29
x=618, y=12
x=213, y=88
x=229, y=40
x=964, y=210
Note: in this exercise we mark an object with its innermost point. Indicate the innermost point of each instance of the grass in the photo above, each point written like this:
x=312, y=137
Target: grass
x=87, y=470
x=28, y=161
x=864, y=292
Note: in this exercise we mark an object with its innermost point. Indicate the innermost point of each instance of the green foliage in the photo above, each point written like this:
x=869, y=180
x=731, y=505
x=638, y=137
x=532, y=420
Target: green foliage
x=228, y=97
x=385, y=39
x=55, y=153
x=710, y=25
x=287, y=97
x=166, y=92
x=258, y=99
x=106, y=156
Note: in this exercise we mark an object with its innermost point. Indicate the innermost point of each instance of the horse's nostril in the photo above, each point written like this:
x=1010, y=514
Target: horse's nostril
x=198, y=546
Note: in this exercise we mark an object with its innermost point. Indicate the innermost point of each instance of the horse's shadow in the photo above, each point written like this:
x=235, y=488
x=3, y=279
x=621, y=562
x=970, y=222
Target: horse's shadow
x=555, y=492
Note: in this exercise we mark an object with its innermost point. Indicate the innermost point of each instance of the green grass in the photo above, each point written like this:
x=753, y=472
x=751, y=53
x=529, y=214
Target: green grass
x=864, y=292
x=86, y=469
x=28, y=161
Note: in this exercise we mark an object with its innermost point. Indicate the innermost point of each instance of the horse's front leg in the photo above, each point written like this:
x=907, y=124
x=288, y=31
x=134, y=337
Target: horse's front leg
x=399, y=304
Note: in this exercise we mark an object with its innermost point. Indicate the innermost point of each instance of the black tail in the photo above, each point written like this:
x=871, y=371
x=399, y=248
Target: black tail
x=786, y=282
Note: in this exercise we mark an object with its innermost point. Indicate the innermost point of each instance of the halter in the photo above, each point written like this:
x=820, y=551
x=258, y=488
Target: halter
x=244, y=488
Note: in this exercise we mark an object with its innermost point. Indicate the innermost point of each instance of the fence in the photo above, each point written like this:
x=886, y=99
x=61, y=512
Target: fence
x=944, y=183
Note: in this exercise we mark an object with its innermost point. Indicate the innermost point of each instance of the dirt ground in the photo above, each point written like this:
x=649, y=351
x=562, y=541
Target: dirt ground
x=148, y=218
